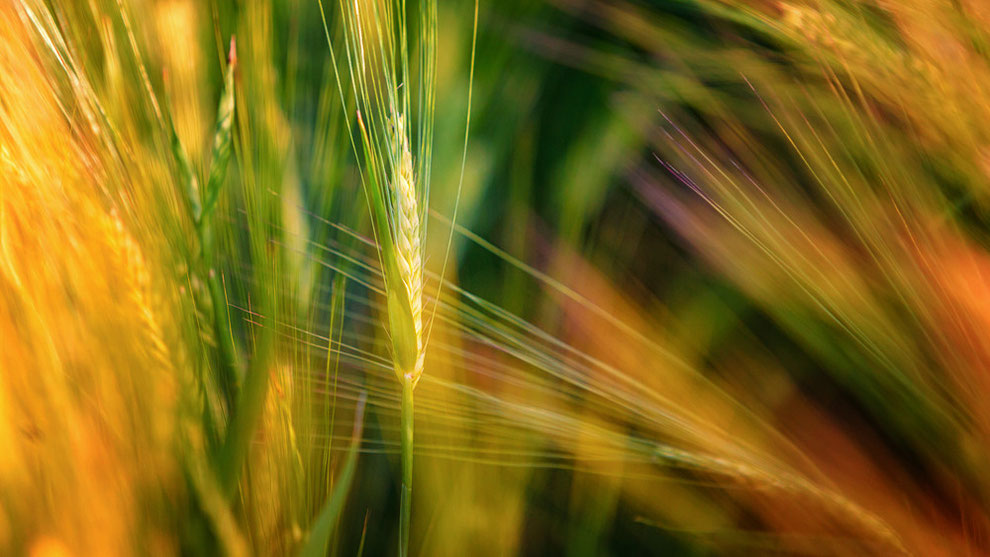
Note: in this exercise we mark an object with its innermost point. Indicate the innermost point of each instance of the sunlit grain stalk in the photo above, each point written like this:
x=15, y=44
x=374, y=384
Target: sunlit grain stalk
x=394, y=112
x=410, y=264
x=396, y=158
x=401, y=255
x=400, y=239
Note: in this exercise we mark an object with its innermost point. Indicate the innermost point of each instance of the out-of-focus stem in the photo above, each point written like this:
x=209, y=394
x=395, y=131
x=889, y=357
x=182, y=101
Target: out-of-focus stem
x=229, y=361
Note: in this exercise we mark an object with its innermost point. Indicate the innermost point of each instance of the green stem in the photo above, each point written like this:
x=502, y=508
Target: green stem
x=229, y=361
x=407, y=463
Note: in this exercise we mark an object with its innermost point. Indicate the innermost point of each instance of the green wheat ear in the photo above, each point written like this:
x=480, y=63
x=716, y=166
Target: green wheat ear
x=399, y=250
x=405, y=345
x=397, y=158
x=405, y=295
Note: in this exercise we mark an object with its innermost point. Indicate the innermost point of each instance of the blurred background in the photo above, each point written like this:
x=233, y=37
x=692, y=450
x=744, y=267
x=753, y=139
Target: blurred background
x=718, y=282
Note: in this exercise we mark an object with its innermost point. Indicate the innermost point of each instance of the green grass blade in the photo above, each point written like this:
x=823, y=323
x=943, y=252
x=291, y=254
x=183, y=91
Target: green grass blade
x=246, y=415
x=319, y=537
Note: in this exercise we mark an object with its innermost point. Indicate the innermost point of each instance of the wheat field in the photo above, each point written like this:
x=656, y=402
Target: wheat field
x=515, y=277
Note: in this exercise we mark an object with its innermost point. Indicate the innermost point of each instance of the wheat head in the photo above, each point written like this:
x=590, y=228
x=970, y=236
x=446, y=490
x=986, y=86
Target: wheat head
x=408, y=252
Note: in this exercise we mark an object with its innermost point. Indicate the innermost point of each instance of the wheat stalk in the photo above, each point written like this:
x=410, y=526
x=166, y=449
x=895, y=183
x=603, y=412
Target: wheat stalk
x=405, y=306
x=396, y=175
x=402, y=261
x=410, y=264
x=397, y=160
